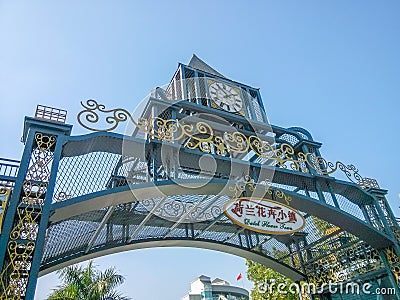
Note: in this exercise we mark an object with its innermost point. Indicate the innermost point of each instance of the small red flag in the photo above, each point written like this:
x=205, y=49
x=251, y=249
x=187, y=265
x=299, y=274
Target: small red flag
x=239, y=276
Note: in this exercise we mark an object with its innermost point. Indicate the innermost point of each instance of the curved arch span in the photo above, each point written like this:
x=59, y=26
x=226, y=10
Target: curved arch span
x=200, y=244
x=115, y=196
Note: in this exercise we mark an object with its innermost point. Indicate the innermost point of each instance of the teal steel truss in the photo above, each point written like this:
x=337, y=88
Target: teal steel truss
x=73, y=198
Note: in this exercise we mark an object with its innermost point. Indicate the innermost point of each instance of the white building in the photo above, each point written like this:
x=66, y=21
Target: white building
x=202, y=288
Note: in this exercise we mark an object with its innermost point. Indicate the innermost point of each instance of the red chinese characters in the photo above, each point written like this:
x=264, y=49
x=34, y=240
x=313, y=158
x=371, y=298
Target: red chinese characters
x=264, y=215
x=277, y=213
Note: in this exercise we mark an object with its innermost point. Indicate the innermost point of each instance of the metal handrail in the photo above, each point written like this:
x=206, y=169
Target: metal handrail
x=9, y=167
x=51, y=114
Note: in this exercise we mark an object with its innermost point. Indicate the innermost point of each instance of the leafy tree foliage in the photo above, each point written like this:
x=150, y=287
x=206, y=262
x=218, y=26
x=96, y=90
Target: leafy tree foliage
x=87, y=283
x=321, y=226
x=263, y=278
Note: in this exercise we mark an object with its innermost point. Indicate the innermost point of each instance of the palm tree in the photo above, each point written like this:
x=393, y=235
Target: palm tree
x=87, y=283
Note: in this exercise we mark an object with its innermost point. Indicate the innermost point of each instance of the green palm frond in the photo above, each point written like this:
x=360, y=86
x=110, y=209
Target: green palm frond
x=87, y=283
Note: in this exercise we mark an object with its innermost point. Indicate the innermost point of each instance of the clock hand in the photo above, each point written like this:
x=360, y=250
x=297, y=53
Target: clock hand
x=225, y=92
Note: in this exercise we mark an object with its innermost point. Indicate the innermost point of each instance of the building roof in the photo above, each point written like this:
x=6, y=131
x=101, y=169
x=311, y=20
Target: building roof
x=197, y=63
x=219, y=281
x=203, y=278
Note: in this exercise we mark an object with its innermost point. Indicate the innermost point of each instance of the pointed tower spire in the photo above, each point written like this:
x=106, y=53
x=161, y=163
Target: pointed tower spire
x=197, y=63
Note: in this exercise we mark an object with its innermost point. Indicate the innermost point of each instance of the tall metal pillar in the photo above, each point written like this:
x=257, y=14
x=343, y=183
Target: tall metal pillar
x=393, y=277
x=26, y=219
x=390, y=256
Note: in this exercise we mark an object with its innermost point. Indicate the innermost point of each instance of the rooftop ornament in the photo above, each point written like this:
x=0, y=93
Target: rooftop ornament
x=50, y=114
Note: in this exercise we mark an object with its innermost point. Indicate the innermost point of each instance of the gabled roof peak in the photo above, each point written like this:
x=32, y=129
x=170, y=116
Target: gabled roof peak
x=197, y=63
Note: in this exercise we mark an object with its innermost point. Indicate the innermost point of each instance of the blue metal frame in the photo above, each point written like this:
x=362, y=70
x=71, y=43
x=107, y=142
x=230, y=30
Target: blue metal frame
x=304, y=184
x=31, y=128
x=46, y=209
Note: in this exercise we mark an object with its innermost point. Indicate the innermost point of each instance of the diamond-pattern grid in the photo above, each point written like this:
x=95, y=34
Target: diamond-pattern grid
x=190, y=85
x=391, y=221
x=109, y=234
x=254, y=238
x=246, y=101
x=177, y=83
x=373, y=217
x=291, y=139
x=122, y=225
x=98, y=170
x=84, y=174
x=257, y=110
x=350, y=207
x=212, y=233
x=72, y=236
x=328, y=198
x=303, y=136
x=133, y=169
x=277, y=249
x=316, y=228
x=69, y=237
x=235, y=239
x=148, y=232
x=313, y=195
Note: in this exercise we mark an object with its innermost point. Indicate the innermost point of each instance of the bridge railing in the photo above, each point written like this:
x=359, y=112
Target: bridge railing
x=9, y=167
x=51, y=114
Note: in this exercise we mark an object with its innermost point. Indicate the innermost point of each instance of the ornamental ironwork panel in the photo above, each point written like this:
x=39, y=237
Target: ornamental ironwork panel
x=187, y=162
x=17, y=264
x=200, y=135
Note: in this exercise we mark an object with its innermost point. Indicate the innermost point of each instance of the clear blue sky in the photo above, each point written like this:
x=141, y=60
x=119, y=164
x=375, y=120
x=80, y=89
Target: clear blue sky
x=332, y=67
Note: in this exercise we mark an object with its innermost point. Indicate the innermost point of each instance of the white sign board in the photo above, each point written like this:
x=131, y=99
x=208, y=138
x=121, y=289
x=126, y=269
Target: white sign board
x=264, y=216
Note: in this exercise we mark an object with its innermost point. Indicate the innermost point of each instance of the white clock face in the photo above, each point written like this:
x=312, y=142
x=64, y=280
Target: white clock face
x=226, y=97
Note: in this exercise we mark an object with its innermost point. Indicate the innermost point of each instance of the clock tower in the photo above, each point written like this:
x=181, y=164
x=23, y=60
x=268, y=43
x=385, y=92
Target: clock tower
x=202, y=110
x=196, y=88
x=207, y=87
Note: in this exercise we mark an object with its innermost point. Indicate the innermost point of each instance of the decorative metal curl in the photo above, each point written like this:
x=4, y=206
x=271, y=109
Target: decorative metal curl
x=327, y=167
x=180, y=211
x=62, y=196
x=248, y=183
x=202, y=137
x=90, y=115
x=241, y=185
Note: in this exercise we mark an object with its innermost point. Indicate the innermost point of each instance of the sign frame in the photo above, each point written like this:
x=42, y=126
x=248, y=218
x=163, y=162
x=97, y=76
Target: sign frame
x=228, y=205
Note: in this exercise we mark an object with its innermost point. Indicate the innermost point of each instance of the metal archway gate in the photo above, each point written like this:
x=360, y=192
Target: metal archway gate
x=72, y=198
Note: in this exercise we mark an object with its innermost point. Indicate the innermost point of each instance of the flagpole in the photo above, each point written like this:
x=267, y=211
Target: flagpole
x=240, y=277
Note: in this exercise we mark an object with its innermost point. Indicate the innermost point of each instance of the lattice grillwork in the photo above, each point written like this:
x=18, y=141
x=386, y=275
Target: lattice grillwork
x=350, y=207
x=257, y=109
x=84, y=174
x=21, y=244
x=305, y=137
x=374, y=218
x=316, y=229
x=328, y=198
x=291, y=139
x=386, y=212
x=71, y=236
x=178, y=88
x=344, y=263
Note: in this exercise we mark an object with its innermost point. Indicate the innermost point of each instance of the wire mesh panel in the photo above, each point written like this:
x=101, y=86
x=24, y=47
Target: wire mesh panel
x=84, y=174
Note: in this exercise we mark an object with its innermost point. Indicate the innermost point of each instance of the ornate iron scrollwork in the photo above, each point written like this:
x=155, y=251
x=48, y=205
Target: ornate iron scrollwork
x=187, y=212
x=248, y=183
x=394, y=263
x=201, y=136
x=22, y=239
